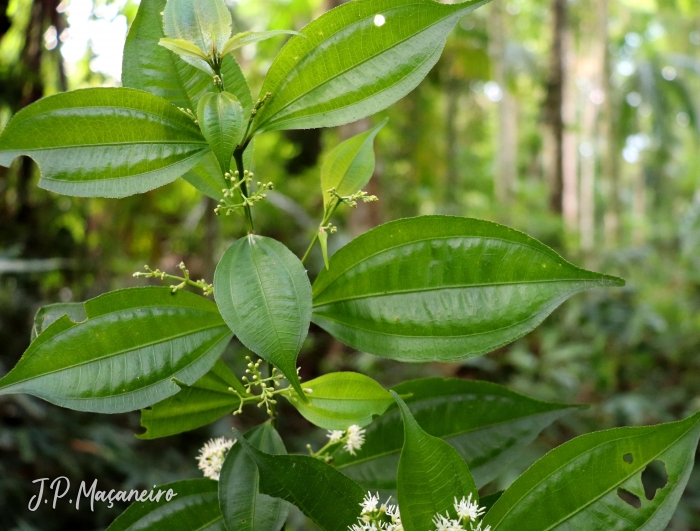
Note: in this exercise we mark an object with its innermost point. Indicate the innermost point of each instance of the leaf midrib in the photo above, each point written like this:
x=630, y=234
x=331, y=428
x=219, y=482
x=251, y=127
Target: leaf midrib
x=457, y=287
x=110, y=355
x=443, y=437
x=107, y=144
x=548, y=252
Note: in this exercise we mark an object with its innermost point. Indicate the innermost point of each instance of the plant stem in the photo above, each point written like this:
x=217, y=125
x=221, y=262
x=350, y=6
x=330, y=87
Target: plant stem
x=325, y=220
x=238, y=156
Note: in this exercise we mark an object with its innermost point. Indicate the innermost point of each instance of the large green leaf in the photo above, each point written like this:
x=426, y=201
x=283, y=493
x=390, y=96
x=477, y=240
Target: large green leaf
x=221, y=120
x=357, y=59
x=581, y=484
x=104, y=142
x=195, y=506
x=340, y=399
x=349, y=167
x=153, y=68
x=441, y=288
x=243, y=507
x=264, y=295
x=326, y=496
x=431, y=474
x=488, y=424
x=47, y=315
x=196, y=405
x=125, y=355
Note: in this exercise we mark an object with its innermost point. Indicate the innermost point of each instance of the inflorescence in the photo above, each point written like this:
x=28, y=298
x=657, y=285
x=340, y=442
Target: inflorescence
x=267, y=386
x=352, y=439
x=211, y=456
x=236, y=190
x=207, y=288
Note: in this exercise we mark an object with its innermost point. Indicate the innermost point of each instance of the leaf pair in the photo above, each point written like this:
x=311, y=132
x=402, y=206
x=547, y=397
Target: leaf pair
x=200, y=32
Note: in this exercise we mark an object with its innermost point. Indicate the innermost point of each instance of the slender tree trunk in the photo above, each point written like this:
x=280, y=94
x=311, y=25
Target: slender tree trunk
x=570, y=140
x=553, y=117
x=505, y=175
x=611, y=153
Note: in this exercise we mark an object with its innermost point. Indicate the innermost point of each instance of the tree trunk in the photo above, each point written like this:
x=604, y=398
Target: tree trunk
x=505, y=174
x=553, y=117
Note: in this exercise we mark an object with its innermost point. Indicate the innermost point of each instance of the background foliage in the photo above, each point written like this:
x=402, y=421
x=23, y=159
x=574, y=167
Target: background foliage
x=577, y=122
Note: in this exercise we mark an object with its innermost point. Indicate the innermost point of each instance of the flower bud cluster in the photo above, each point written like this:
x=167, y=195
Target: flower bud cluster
x=207, y=289
x=236, y=187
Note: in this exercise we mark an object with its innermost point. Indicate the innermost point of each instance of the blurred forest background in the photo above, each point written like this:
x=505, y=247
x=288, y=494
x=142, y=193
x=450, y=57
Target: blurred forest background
x=576, y=121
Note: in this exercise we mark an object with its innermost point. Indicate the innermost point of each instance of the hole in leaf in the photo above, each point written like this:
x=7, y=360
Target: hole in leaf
x=654, y=477
x=627, y=458
x=629, y=498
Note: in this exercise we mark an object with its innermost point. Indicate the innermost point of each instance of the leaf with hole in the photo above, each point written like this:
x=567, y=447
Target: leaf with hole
x=349, y=167
x=488, y=424
x=327, y=497
x=47, y=315
x=441, y=288
x=196, y=405
x=340, y=399
x=264, y=295
x=594, y=482
x=221, y=120
x=243, y=507
x=249, y=37
x=431, y=474
x=125, y=355
x=194, y=506
x=357, y=59
x=106, y=142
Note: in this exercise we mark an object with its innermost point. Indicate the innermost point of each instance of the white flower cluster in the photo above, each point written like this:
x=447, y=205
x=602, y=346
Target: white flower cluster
x=376, y=517
x=211, y=456
x=468, y=512
x=353, y=438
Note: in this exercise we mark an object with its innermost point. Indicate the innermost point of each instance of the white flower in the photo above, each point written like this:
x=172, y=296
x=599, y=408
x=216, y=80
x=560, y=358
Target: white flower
x=335, y=435
x=211, y=456
x=442, y=523
x=468, y=510
x=479, y=528
x=369, y=504
x=355, y=438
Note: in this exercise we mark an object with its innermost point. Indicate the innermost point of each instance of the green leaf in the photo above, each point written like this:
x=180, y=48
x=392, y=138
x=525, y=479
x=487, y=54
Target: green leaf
x=349, y=167
x=104, y=142
x=441, y=288
x=488, y=424
x=431, y=474
x=196, y=405
x=182, y=47
x=47, y=315
x=579, y=484
x=205, y=23
x=221, y=120
x=189, y=53
x=264, y=295
x=357, y=59
x=150, y=67
x=195, y=506
x=125, y=355
x=323, y=240
x=340, y=399
x=249, y=37
x=244, y=509
x=326, y=496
